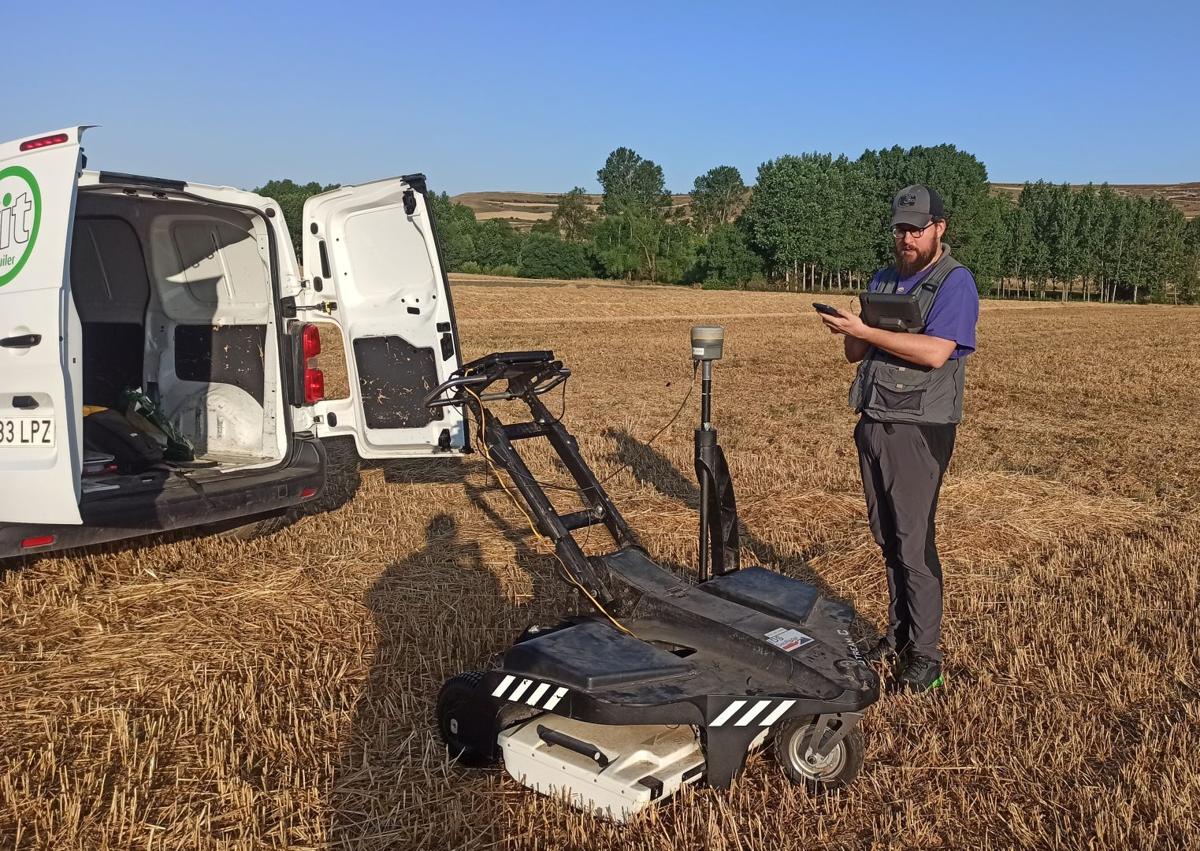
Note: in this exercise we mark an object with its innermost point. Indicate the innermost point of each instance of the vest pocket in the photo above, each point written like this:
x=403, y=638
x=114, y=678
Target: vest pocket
x=897, y=397
x=899, y=388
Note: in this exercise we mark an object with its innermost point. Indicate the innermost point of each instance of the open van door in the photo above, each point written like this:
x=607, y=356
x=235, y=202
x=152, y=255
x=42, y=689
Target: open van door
x=372, y=250
x=41, y=443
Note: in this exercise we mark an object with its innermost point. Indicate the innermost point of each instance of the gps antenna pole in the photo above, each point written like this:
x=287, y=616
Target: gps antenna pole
x=707, y=344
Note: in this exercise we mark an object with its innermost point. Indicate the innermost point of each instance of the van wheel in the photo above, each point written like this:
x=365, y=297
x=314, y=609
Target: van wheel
x=239, y=530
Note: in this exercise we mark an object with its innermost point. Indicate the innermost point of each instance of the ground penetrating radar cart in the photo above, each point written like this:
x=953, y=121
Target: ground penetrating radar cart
x=665, y=681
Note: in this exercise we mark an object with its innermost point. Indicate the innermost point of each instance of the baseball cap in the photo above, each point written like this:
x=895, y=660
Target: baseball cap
x=917, y=205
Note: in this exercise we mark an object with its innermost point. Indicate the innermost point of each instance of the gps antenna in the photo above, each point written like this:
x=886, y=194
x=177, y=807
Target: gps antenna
x=718, y=508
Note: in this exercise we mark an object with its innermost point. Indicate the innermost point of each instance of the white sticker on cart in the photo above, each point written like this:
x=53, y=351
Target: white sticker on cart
x=763, y=713
x=530, y=692
x=788, y=639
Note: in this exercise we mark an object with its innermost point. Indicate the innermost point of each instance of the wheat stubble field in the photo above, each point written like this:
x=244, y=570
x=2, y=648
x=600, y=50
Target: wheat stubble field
x=206, y=693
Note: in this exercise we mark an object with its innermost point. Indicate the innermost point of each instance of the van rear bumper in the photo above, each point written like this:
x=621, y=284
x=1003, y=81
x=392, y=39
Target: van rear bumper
x=175, y=502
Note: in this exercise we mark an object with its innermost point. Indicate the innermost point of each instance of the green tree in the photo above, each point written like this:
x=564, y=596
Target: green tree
x=496, y=243
x=573, y=216
x=544, y=255
x=813, y=217
x=1189, y=285
x=628, y=180
x=781, y=217
x=1062, y=234
x=1091, y=230
x=456, y=229
x=639, y=235
x=718, y=197
x=726, y=257
x=613, y=246
x=290, y=196
x=1115, y=256
x=1037, y=199
x=1018, y=243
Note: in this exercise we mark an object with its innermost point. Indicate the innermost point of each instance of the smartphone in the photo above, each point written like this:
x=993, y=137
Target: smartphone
x=827, y=309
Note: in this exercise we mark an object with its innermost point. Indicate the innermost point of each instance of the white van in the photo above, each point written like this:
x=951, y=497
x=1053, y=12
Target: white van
x=192, y=294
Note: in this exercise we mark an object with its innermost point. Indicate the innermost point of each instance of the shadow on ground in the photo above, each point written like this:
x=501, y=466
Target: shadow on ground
x=437, y=612
x=651, y=467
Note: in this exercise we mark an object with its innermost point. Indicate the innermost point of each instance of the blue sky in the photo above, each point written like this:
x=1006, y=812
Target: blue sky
x=532, y=96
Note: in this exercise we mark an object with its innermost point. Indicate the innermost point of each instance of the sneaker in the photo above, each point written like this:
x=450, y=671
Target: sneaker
x=921, y=674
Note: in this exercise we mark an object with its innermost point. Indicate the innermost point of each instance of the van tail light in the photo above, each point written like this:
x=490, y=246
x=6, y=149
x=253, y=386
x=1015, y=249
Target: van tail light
x=311, y=340
x=38, y=541
x=314, y=385
x=308, y=382
x=43, y=141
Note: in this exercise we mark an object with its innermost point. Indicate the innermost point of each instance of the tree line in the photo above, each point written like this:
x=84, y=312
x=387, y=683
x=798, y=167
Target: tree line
x=815, y=222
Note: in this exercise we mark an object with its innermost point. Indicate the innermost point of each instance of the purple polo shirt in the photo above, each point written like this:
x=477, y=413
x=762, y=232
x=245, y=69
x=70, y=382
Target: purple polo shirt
x=954, y=312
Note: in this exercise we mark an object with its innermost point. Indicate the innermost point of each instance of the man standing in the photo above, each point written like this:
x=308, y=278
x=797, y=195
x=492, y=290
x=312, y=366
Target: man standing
x=909, y=392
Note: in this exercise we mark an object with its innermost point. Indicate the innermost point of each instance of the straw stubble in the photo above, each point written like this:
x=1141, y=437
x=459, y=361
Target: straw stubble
x=199, y=692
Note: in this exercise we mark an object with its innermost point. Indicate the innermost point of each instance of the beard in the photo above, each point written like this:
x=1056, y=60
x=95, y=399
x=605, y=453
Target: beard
x=911, y=259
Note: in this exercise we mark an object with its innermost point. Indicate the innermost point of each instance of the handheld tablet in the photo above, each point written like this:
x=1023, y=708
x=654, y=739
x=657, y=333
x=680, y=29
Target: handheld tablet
x=892, y=311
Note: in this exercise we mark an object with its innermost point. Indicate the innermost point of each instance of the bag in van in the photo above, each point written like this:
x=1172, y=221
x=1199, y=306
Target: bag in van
x=110, y=432
x=146, y=415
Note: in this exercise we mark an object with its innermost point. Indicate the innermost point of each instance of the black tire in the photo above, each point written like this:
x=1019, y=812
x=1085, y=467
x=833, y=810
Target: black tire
x=466, y=720
x=260, y=527
x=837, y=770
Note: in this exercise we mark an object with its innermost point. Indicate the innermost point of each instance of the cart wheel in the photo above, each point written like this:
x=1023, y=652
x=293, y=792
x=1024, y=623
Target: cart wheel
x=466, y=721
x=820, y=774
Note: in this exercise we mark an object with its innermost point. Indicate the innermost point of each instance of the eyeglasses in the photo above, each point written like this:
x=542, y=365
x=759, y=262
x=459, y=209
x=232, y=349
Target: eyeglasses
x=901, y=231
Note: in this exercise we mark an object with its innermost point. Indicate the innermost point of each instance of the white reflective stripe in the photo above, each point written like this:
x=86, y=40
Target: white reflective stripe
x=555, y=698
x=520, y=690
x=537, y=694
x=729, y=712
x=752, y=713
x=774, y=716
x=504, y=684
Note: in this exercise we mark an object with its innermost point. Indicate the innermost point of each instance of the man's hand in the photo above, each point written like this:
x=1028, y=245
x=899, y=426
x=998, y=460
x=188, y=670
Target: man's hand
x=920, y=349
x=844, y=323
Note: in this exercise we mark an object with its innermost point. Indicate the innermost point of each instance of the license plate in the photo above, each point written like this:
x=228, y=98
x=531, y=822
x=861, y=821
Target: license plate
x=26, y=431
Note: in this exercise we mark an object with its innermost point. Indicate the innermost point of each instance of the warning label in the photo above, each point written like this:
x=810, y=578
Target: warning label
x=788, y=639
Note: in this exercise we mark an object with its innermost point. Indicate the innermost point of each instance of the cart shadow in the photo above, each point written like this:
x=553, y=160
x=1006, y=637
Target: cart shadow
x=649, y=466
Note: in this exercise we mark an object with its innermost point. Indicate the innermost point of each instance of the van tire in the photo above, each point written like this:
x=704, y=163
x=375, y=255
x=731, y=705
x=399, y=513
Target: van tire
x=238, y=530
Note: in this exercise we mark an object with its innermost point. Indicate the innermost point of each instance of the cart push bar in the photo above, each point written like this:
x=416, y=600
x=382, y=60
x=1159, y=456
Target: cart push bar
x=529, y=375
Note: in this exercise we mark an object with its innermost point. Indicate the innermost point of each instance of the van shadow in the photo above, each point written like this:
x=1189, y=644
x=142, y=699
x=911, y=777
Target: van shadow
x=344, y=468
x=437, y=612
x=649, y=466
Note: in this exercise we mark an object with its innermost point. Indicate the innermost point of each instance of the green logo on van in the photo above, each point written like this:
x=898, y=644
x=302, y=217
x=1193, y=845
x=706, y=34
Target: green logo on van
x=20, y=217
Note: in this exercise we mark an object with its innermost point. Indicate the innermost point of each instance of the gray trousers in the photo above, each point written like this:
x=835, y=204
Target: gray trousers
x=902, y=466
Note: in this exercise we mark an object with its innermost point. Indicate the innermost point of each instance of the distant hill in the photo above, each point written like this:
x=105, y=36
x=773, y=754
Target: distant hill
x=1185, y=196
x=523, y=209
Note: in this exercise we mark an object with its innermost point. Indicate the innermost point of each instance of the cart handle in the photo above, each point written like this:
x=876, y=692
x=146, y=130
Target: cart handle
x=437, y=397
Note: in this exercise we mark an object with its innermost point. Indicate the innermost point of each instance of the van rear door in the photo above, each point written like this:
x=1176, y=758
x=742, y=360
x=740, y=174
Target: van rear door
x=41, y=443
x=372, y=250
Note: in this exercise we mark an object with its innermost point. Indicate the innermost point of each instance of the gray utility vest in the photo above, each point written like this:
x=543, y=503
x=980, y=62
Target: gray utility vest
x=889, y=389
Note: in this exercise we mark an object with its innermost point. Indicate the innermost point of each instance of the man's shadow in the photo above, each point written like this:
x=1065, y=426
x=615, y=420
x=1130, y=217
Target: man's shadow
x=438, y=612
x=649, y=466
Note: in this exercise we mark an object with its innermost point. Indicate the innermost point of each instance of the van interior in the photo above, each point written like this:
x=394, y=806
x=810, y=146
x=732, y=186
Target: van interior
x=175, y=297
